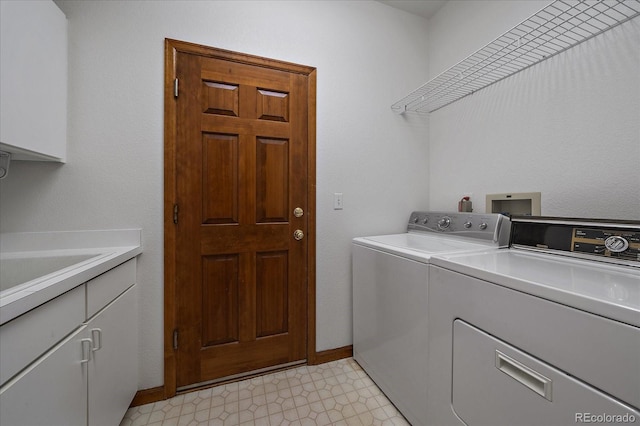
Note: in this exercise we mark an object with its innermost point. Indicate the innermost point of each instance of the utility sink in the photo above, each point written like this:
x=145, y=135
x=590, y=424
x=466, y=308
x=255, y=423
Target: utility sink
x=15, y=271
x=37, y=267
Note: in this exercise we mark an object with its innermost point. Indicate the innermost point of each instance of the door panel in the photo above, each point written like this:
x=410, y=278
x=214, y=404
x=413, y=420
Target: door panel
x=220, y=299
x=272, y=180
x=271, y=293
x=241, y=169
x=219, y=98
x=273, y=105
x=220, y=178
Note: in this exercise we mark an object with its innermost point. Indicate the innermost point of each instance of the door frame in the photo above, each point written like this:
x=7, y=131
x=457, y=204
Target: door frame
x=172, y=47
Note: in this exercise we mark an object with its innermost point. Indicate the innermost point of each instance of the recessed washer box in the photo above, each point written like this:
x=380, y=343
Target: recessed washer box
x=514, y=203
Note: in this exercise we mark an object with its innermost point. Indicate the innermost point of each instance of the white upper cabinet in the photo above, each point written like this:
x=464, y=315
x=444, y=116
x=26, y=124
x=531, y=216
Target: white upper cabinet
x=33, y=80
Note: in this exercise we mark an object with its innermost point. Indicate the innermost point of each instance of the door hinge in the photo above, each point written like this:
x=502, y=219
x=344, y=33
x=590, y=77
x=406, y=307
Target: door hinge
x=175, y=88
x=175, y=339
x=175, y=213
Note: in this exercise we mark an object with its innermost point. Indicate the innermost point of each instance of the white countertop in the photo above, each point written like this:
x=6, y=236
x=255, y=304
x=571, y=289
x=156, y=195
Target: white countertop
x=107, y=248
x=604, y=289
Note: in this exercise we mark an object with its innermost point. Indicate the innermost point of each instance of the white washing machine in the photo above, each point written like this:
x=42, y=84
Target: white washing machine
x=544, y=333
x=390, y=297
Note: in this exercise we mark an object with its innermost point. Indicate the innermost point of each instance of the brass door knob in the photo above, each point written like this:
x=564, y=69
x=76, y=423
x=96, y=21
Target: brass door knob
x=298, y=234
x=298, y=212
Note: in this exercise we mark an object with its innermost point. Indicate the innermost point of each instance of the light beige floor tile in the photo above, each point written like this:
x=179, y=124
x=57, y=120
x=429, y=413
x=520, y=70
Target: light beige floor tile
x=336, y=393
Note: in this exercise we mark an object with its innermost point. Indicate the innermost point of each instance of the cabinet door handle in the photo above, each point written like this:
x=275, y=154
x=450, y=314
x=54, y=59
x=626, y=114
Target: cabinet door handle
x=96, y=338
x=86, y=350
x=524, y=375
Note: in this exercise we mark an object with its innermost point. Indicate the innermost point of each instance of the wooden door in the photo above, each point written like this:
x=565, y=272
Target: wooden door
x=241, y=168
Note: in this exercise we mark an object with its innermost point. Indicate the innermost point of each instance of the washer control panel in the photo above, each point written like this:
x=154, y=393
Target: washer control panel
x=489, y=227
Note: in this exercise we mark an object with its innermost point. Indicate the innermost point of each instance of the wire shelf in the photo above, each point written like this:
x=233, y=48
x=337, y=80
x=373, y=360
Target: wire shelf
x=552, y=30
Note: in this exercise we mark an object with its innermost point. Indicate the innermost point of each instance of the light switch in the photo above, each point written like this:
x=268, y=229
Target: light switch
x=337, y=200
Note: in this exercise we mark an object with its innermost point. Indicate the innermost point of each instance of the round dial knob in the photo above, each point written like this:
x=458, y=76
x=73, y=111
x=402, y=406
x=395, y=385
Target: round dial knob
x=467, y=225
x=483, y=225
x=616, y=244
x=444, y=222
x=415, y=219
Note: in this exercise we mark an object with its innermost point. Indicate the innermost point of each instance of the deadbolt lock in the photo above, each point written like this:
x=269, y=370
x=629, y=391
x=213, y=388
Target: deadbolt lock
x=298, y=212
x=298, y=234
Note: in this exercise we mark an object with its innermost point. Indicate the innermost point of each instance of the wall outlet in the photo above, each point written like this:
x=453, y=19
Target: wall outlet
x=337, y=200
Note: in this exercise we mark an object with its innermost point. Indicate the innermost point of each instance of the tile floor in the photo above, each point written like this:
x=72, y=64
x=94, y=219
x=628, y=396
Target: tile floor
x=336, y=393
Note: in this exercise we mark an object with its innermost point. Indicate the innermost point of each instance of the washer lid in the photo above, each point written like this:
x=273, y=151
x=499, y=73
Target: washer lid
x=611, y=291
x=421, y=247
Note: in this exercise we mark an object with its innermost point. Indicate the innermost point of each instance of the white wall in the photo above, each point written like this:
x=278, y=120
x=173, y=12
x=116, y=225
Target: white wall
x=367, y=54
x=568, y=127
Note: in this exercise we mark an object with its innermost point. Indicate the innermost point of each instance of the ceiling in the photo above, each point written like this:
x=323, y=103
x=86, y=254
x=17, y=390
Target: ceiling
x=424, y=8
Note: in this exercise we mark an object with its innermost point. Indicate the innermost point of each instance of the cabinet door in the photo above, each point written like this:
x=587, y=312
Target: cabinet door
x=113, y=371
x=33, y=80
x=52, y=391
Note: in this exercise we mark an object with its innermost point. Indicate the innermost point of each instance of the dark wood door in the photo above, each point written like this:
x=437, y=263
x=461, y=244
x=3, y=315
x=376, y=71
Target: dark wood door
x=241, y=160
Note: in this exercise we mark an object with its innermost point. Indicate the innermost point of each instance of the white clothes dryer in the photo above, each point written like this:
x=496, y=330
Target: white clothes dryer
x=544, y=333
x=390, y=298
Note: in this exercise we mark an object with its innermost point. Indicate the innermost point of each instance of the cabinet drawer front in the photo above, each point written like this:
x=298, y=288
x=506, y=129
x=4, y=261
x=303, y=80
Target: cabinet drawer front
x=496, y=383
x=106, y=287
x=30, y=335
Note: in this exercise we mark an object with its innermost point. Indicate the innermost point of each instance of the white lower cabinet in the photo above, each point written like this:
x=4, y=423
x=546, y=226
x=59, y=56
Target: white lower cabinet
x=89, y=377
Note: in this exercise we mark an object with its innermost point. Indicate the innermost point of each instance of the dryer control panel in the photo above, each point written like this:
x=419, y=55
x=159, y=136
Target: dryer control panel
x=607, y=242
x=612, y=241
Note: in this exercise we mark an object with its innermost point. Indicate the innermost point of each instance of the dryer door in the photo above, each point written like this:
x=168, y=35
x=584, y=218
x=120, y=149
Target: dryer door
x=496, y=384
